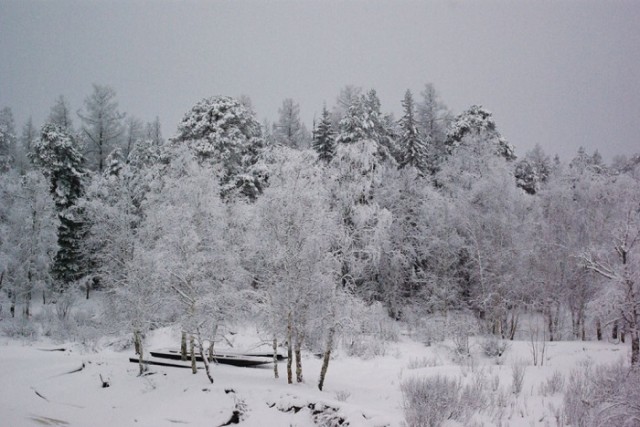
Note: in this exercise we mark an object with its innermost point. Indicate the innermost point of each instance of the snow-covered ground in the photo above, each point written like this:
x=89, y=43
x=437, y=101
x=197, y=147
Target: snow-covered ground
x=40, y=387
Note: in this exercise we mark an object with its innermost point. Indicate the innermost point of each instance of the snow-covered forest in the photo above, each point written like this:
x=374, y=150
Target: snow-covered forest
x=340, y=239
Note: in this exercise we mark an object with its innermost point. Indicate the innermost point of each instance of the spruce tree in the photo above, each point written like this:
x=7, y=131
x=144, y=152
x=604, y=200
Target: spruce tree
x=323, y=139
x=56, y=154
x=222, y=131
x=7, y=140
x=414, y=150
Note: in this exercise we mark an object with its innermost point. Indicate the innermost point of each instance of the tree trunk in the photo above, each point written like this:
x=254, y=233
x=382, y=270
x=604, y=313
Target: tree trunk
x=275, y=357
x=614, y=330
x=183, y=346
x=12, y=308
x=87, y=289
x=635, y=348
x=289, y=350
x=598, y=329
x=205, y=360
x=513, y=326
x=27, y=308
x=298, y=353
x=137, y=342
x=194, y=369
x=327, y=357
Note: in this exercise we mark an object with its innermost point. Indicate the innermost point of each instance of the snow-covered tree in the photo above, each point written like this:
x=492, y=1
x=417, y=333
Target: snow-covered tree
x=28, y=226
x=324, y=138
x=476, y=125
x=102, y=128
x=348, y=96
x=7, y=140
x=60, y=114
x=434, y=118
x=363, y=120
x=533, y=170
x=133, y=132
x=289, y=130
x=204, y=271
x=412, y=146
x=616, y=257
x=56, y=155
x=292, y=241
x=492, y=216
x=153, y=132
x=222, y=131
x=25, y=144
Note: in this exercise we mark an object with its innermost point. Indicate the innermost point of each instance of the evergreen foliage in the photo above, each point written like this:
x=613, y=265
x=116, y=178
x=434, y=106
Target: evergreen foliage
x=324, y=139
x=7, y=140
x=414, y=150
x=477, y=123
x=57, y=156
x=222, y=131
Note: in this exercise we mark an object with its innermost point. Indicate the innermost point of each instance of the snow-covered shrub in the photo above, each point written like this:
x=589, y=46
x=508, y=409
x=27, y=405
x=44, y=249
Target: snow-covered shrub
x=19, y=327
x=369, y=331
x=64, y=304
x=422, y=362
x=518, y=369
x=492, y=346
x=475, y=396
x=554, y=384
x=461, y=328
x=366, y=347
x=429, y=401
x=425, y=329
x=342, y=395
x=603, y=395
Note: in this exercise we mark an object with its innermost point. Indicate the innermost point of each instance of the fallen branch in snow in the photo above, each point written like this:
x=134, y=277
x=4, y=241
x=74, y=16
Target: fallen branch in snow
x=106, y=383
x=39, y=395
x=53, y=349
x=75, y=370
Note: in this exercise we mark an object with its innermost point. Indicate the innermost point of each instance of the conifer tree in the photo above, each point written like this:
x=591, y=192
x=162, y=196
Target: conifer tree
x=60, y=114
x=101, y=125
x=324, y=139
x=56, y=154
x=414, y=151
x=477, y=124
x=221, y=130
x=7, y=140
x=289, y=130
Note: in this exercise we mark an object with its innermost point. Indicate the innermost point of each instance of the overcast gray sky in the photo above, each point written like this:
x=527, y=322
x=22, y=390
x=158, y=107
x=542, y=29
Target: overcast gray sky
x=558, y=73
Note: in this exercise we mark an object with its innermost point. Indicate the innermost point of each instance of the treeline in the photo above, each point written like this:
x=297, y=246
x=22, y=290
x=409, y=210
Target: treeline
x=426, y=214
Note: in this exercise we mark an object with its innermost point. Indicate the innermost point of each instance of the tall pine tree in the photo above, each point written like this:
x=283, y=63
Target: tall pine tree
x=56, y=154
x=323, y=139
x=414, y=150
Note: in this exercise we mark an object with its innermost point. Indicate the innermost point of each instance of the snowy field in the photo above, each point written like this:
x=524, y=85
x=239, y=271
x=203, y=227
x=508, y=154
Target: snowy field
x=64, y=387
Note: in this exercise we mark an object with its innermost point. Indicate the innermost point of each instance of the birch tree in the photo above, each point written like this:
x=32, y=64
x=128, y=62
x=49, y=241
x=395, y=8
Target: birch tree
x=617, y=258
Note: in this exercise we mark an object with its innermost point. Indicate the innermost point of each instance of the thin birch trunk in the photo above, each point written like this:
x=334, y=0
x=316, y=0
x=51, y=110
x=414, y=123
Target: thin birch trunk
x=298, y=354
x=192, y=344
x=275, y=357
x=289, y=350
x=137, y=342
x=205, y=360
x=327, y=357
x=183, y=346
